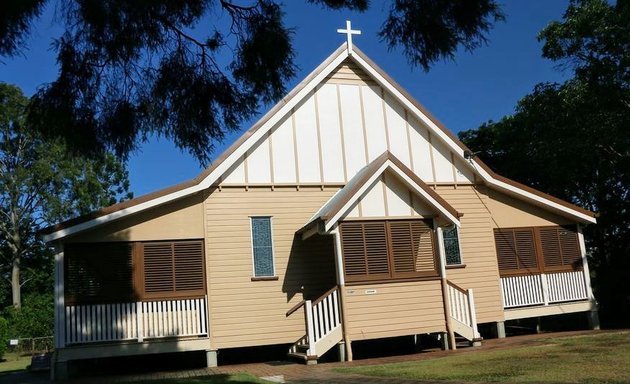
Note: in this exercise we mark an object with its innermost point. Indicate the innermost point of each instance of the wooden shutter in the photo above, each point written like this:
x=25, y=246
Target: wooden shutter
x=560, y=248
x=526, y=249
x=189, y=266
x=173, y=269
x=98, y=273
x=516, y=250
x=364, y=247
x=381, y=250
x=412, y=248
x=158, y=267
x=403, y=249
x=353, y=248
x=506, y=249
x=375, y=238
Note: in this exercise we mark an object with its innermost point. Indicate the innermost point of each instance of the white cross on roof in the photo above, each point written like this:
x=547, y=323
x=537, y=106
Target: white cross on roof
x=349, y=32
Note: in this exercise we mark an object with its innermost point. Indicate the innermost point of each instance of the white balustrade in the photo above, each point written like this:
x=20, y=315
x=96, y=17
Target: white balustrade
x=325, y=315
x=462, y=308
x=135, y=321
x=543, y=289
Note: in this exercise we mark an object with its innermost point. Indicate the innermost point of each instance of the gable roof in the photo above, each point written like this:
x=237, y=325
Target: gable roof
x=342, y=201
x=228, y=158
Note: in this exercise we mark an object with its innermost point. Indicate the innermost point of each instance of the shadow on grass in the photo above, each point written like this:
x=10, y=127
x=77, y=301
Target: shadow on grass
x=238, y=378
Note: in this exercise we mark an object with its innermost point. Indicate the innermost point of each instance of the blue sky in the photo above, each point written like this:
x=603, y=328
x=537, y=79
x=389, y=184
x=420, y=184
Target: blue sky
x=474, y=88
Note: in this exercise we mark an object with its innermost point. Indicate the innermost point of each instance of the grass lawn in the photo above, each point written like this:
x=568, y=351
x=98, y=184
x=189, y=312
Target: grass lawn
x=12, y=362
x=597, y=358
x=215, y=379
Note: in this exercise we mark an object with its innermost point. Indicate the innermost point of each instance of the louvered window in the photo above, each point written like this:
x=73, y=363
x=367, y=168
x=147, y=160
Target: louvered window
x=262, y=246
x=98, y=273
x=451, y=246
x=537, y=249
x=516, y=250
x=383, y=250
x=560, y=248
x=173, y=269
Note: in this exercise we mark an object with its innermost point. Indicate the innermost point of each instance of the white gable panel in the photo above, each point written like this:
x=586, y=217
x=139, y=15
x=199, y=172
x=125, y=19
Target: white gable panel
x=372, y=202
x=397, y=130
x=307, y=141
x=236, y=174
x=353, y=138
x=398, y=197
x=374, y=121
x=330, y=132
x=421, y=208
x=442, y=162
x=463, y=173
x=282, y=149
x=420, y=150
x=258, y=163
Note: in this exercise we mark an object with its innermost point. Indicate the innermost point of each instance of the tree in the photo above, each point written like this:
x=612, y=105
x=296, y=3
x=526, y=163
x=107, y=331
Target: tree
x=573, y=139
x=133, y=68
x=40, y=183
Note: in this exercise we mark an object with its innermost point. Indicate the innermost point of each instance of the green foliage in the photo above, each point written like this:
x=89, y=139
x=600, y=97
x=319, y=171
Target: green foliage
x=34, y=319
x=42, y=183
x=4, y=336
x=133, y=68
x=573, y=139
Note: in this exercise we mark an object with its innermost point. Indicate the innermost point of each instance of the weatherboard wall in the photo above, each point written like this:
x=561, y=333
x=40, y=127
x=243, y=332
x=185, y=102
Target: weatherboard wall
x=248, y=313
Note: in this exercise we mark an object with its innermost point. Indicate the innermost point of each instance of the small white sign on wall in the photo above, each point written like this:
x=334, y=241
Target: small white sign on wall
x=14, y=342
x=370, y=291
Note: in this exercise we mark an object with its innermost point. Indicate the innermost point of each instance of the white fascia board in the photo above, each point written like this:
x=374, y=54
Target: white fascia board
x=333, y=220
x=119, y=214
x=221, y=168
x=273, y=120
x=459, y=151
x=528, y=195
x=429, y=199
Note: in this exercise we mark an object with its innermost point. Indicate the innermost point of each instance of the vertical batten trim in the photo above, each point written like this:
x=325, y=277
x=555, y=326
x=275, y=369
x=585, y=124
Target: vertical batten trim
x=385, y=118
x=295, y=148
x=246, y=169
x=271, y=174
x=343, y=141
x=409, y=147
x=411, y=210
x=454, y=169
x=319, y=136
x=365, y=140
x=60, y=310
x=385, y=204
x=432, y=158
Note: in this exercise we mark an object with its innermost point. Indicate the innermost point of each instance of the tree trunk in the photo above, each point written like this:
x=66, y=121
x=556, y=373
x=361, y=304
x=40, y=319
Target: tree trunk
x=16, y=288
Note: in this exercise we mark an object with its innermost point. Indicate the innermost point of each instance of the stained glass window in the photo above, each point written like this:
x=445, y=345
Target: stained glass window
x=451, y=246
x=262, y=246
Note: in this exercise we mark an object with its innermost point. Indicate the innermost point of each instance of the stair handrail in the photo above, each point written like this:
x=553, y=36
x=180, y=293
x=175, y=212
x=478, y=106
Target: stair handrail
x=325, y=295
x=295, y=308
x=469, y=307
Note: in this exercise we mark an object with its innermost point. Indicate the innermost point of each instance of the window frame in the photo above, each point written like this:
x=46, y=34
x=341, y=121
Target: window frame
x=459, y=248
x=273, y=275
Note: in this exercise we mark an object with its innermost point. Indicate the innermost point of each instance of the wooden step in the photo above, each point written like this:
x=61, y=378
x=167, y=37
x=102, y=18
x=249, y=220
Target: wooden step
x=303, y=357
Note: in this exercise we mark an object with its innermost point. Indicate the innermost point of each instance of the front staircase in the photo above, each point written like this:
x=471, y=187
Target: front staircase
x=462, y=313
x=323, y=327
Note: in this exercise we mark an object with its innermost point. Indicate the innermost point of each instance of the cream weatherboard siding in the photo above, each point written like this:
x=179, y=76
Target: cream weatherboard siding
x=245, y=312
x=395, y=309
x=481, y=271
x=181, y=219
x=510, y=212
